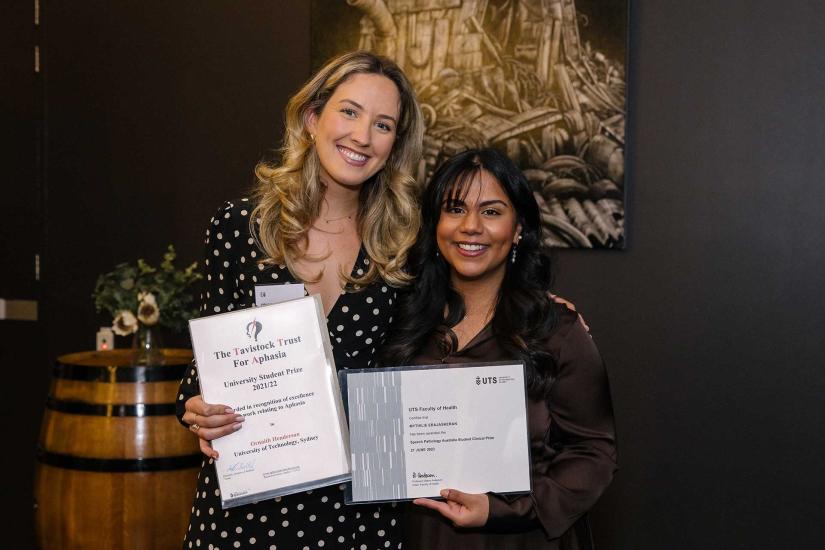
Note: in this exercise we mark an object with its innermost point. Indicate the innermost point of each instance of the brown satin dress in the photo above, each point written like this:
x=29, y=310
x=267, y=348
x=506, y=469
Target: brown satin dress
x=572, y=445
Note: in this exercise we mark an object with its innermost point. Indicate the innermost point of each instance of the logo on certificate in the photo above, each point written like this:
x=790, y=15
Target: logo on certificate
x=253, y=329
x=486, y=380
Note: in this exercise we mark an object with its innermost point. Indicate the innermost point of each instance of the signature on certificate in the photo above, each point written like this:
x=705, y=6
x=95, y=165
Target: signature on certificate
x=241, y=467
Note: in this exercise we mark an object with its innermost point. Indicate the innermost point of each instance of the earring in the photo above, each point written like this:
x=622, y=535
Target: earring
x=513, y=251
x=436, y=253
x=312, y=137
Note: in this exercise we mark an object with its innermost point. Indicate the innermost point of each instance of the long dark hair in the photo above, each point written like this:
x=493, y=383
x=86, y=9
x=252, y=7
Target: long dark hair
x=524, y=314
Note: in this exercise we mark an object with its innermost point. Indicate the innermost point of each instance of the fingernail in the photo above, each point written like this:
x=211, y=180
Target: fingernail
x=445, y=492
x=237, y=426
x=239, y=418
x=228, y=410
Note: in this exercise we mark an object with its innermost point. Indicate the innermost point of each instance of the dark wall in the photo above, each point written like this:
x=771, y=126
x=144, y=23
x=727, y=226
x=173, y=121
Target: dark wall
x=157, y=112
x=710, y=321
x=22, y=344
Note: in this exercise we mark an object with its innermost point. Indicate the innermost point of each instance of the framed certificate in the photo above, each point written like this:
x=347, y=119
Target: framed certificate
x=273, y=364
x=417, y=430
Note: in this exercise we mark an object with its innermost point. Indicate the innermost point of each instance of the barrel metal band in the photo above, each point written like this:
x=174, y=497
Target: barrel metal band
x=118, y=465
x=110, y=409
x=86, y=373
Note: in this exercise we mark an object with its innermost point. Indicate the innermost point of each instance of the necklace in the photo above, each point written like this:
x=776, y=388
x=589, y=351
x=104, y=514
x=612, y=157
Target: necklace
x=335, y=229
x=347, y=217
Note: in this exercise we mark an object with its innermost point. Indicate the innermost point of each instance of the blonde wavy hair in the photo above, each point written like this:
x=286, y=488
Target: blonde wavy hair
x=289, y=194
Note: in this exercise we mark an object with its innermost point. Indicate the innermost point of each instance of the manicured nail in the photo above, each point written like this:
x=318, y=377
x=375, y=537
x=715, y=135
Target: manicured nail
x=239, y=418
x=228, y=410
x=237, y=426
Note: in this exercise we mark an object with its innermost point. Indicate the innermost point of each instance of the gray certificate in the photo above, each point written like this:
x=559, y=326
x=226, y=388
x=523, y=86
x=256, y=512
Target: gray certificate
x=417, y=430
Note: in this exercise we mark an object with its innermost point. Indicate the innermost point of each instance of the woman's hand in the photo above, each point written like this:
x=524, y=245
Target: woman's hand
x=463, y=509
x=210, y=422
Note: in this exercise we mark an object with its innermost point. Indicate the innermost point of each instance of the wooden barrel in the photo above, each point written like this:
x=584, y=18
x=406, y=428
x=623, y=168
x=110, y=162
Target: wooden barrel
x=116, y=470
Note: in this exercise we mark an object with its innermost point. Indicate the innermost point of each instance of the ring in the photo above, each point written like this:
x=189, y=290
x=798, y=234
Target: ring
x=194, y=428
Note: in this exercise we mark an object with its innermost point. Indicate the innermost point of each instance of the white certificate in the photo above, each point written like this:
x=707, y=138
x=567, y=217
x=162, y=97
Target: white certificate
x=273, y=364
x=417, y=430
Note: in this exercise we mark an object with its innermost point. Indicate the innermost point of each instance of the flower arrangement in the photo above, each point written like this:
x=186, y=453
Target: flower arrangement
x=142, y=295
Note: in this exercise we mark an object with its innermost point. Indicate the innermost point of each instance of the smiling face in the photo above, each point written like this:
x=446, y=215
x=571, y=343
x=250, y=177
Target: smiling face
x=355, y=132
x=477, y=229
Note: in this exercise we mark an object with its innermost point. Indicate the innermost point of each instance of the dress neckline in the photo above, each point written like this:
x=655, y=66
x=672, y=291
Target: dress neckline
x=482, y=335
x=359, y=259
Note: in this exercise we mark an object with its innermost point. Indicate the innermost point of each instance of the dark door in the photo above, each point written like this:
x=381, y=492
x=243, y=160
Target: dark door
x=22, y=341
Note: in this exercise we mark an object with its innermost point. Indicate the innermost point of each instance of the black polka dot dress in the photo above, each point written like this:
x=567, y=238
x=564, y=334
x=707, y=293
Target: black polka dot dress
x=357, y=323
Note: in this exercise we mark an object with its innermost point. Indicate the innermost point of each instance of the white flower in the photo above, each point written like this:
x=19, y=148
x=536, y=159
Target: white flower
x=148, y=312
x=147, y=297
x=124, y=323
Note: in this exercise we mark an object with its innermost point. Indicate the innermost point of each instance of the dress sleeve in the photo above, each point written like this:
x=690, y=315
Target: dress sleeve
x=580, y=446
x=218, y=291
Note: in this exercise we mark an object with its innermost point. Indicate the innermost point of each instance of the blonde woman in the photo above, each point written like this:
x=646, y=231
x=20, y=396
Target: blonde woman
x=339, y=214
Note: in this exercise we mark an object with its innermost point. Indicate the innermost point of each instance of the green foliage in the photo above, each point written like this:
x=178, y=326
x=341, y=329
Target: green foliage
x=172, y=288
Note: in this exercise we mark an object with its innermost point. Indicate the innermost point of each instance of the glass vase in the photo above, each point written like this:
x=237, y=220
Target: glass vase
x=147, y=348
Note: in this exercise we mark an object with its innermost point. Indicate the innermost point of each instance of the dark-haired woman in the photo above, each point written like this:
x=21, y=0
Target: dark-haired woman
x=482, y=294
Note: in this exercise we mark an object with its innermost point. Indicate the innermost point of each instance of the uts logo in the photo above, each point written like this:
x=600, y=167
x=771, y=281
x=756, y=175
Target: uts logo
x=486, y=380
x=253, y=329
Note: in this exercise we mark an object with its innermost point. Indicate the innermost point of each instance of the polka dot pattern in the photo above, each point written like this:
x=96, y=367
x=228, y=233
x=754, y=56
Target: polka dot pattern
x=313, y=519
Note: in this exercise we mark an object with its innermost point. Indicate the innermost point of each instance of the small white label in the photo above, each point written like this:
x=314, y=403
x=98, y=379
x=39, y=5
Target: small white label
x=266, y=295
x=105, y=339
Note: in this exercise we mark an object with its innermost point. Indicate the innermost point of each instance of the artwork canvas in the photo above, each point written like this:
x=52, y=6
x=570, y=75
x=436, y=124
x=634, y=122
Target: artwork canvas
x=543, y=80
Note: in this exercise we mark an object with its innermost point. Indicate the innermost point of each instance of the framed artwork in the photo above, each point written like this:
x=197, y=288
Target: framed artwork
x=543, y=80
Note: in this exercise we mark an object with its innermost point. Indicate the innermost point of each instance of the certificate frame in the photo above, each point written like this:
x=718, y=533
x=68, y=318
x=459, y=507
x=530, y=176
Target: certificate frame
x=318, y=374
x=357, y=482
